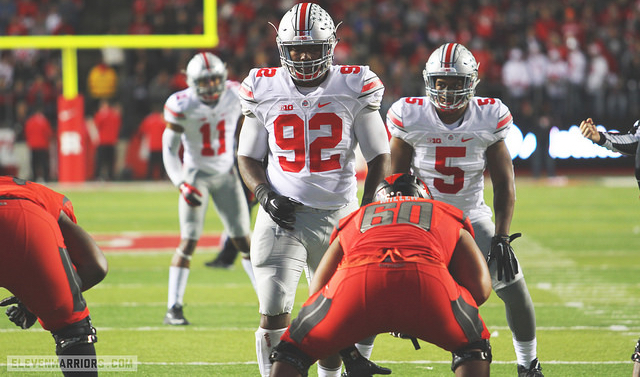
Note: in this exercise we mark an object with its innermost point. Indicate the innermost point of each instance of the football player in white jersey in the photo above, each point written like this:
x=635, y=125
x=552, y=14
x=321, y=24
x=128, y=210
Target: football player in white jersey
x=204, y=119
x=447, y=138
x=306, y=119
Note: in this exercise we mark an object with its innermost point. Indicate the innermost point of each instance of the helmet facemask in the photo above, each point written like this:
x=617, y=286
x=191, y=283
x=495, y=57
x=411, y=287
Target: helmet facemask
x=308, y=70
x=453, y=97
x=209, y=88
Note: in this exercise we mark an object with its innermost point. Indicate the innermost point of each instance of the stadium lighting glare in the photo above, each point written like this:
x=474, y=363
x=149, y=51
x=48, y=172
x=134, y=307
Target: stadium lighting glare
x=563, y=144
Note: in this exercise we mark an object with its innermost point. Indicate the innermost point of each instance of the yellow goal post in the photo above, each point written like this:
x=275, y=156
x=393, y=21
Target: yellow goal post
x=69, y=44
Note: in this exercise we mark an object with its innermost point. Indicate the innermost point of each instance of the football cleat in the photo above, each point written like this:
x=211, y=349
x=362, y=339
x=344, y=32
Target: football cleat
x=534, y=370
x=218, y=263
x=175, y=316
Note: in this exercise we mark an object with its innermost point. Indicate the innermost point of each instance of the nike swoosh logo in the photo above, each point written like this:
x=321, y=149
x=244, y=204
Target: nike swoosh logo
x=323, y=104
x=465, y=140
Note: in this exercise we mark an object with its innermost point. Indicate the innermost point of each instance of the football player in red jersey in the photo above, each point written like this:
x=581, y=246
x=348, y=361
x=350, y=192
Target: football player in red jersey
x=404, y=264
x=306, y=119
x=47, y=273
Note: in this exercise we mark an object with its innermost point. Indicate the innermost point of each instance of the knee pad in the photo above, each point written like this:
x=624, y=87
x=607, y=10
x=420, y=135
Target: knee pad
x=480, y=350
x=290, y=354
x=81, y=332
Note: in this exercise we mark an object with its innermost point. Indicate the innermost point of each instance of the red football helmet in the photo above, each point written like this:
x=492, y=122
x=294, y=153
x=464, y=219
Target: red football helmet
x=402, y=184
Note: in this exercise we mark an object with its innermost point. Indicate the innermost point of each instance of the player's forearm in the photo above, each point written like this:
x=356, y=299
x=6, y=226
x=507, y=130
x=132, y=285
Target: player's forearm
x=252, y=172
x=85, y=254
x=621, y=143
x=377, y=170
x=170, y=159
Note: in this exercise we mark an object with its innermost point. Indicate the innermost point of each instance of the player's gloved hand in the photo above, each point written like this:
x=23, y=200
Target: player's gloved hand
x=282, y=209
x=18, y=314
x=400, y=335
x=191, y=195
x=356, y=365
x=502, y=252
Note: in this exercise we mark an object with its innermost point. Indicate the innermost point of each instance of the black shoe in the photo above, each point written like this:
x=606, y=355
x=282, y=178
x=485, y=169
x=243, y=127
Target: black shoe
x=175, y=316
x=218, y=263
x=535, y=370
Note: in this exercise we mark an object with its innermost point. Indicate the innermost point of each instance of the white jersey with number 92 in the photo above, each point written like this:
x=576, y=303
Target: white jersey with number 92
x=311, y=142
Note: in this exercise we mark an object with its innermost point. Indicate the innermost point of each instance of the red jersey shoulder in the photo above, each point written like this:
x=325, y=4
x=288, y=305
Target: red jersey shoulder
x=50, y=200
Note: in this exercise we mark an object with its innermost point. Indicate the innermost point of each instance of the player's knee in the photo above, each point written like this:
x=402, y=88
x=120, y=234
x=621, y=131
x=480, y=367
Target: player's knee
x=288, y=353
x=77, y=334
x=480, y=350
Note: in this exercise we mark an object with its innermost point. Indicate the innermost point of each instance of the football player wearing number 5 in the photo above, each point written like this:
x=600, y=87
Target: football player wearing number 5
x=205, y=119
x=447, y=139
x=306, y=119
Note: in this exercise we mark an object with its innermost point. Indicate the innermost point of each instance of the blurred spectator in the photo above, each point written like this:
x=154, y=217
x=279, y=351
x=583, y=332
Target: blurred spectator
x=39, y=135
x=8, y=9
x=577, y=62
x=516, y=79
x=596, y=84
x=537, y=64
x=151, y=130
x=42, y=93
x=556, y=87
x=108, y=120
x=6, y=83
x=102, y=83
x=160, y=88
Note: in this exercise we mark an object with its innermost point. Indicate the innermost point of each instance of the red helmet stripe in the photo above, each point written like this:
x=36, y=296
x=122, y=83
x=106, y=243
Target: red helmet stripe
x=303, y=15
x=206, y=61
x=449, y=51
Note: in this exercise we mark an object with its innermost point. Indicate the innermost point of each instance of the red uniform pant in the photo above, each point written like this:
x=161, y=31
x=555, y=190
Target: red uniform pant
x=35, y=265
x=420, y=300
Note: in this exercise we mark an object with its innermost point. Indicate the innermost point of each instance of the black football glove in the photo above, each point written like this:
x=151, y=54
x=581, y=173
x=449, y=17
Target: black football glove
x=282, y=209
x=502, y=252
x=18, y=314
x=356, y=365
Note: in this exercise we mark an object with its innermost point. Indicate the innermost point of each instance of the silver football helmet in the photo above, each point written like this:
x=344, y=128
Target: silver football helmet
x=451, y=60
x=306, y=24
x=207, y=74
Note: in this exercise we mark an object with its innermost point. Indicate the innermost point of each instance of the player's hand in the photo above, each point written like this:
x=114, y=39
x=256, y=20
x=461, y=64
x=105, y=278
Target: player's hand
x=282, y=209
x=588, y=130
x=356, y=365
x=18, y=314
x=502, y=253
x=191, y=195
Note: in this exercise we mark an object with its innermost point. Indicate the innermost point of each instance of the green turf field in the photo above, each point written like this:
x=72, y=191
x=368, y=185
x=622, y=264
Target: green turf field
x=580, y=252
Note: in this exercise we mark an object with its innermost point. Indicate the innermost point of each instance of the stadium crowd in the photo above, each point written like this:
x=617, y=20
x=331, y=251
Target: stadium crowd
x=550, y=60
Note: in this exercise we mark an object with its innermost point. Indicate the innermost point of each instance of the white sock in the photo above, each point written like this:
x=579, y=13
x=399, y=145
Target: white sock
x=246, y=263
x=177, y=285
x=365, y=349
x=266, y=340
x=525, y=351
x=325, y=372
